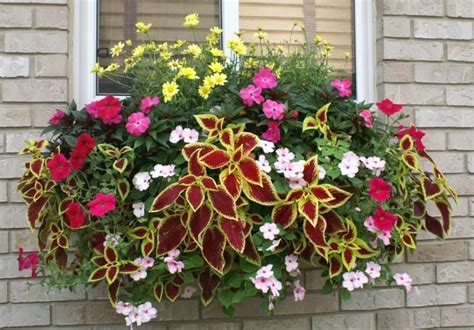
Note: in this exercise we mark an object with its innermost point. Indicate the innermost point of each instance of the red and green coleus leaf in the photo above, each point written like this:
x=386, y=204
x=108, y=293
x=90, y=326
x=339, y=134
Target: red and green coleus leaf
x=285, y=214
x=215, y=159
x=316, y=233
x=406, y=143
x=231, y=183
x=309, y=207
x=189, y=149
x=112, y=274
x=310, y=170
x=209, y=122
x=195, y=166
x=128, y=267
x=247, y=141
x=213, y=246
x=120, y=164
x=167, y=197
x=138, y=232
x=123, y=188
x=170, y=234
x=171, y=291
x=339, y=196
x=34, y=211
x=264, y=194
x=199, y=222
x=234, y=233
x=98, y=274
x=208, y=283
x=411, y=160
x=223, y=203
x=36, y=167
x=430, y=188
x=334, y=223
x=434, y=226
x=348, y=258
x=444, y=210
x=110, y=254
x=195, y=197
x=226, y=138
x=158, y=289
x=250, y=253
x=113, y=291
x=250, y=171
x=335, y=266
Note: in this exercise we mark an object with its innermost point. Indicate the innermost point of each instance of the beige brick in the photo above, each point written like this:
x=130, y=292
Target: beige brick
x=444, y=73
x=471, y=250
x=278, y=324
x=3, y=291
x=3, y=241
x=460, y=8
x=414, y=7
x=14, y=196
x=427, y=318
x=460, y=51
x=397, y=72
x=3, y=191
x=471, y=293
x=374, y=299
x=9, y=267
x=395, y=319
x=40, y=113
x=364, y=321
x=13, y=216
x=12, y=167
x=446, y=251
x=248, y=308
x=314, y=280
x=35, y=90
x=187, y=309
x=20, y=291
x=399, y=27
x=448, y=162
x=2, y=144
x=457, y=316
x=14, y=66
x=16, y=140
x=462, y=228
x=99, y=292
x=22, y=315
x=36, y=42
x=313, y=303
x=434, y=139
x=444, y=117
x=52, y=17
x=415, y=94
x=204, y=326
x=430, y=295
x=462, y=95
x=15, y=16
x=51, y=65
x=420, y=273
x=464, y=184
x=470, y=162
x=411, y=50
x=442, y=29
x=14, y=116
x=461, y=140
x=455, y=272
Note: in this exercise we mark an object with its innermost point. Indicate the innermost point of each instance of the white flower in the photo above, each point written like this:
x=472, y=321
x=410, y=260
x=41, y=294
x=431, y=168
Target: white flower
x=263, y=164
x=285, y=155
x=146, y=312
x=176, y=134
x=297, y=183
x=144, y=264
x=291, y=263
x=354, y=280
x=138, y=209
x=321, y=172
x=291, y=170
x=141, y=181
x=188, y=292
x=265, y=281
x=385, y=237
x=375, y=164
x=298, y=291
x=267, y=146
x=373, y=269
x=349, y=164
x=190, y=135
x=403, y=279
x=274, y=245
x=269, y=230
x=265, y=272
x=123, y=308
x=112, y=239
x=162, y=171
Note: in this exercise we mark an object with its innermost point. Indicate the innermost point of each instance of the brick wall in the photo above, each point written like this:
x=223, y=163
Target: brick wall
x=425, y=53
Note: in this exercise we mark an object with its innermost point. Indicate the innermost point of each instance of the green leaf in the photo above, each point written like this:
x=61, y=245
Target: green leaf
x=187, y=277
x=234, y=279
x=193, y=261
x=327, y=288
x=247, y=267
x=225, y=297
x=344, y=294
x=229, y=311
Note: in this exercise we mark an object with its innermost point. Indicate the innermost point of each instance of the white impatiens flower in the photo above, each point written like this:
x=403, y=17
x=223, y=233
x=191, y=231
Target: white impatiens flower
x=291, y=263
x=139, y=314
x=141, y=181
x=354, y=280
x=190, y=135
x=285, y=155
x=373, y=269
x=269, y=230
x=265, y=281
x=321, y=172
x=274, y=245
x=297, y=183
x=349, y=164
x=267, y=146
x=188, y=292
x=291, y=170
x=375, y=164
x=138, y=209
x=263, y=164
x=112, y=239
x=163, y=171
x=176, y=134
x=144, y=264
x=123, y=308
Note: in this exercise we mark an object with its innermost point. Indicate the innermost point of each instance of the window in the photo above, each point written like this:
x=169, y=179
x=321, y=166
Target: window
x=99, y=24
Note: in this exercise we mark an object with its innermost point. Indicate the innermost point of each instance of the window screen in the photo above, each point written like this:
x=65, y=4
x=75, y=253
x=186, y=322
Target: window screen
x=117, y=18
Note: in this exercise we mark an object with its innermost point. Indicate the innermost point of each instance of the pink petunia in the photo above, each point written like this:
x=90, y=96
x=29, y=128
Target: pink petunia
x=148, y=103
x=251, y=94
x=29, y=262
x=102, y=204
x=379, y=189
x=273, y=133
x=343, y=87
x=265, y=78
x=367, y=115
x=383, y=220
x=137, y=123
x=388, y=107
x=91, y=109
x=56, y=117
x=403, y=279
x=274, y=110
x=108, y=110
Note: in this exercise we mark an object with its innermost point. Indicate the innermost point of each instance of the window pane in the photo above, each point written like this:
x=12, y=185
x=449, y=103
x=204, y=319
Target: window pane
x=117, y=20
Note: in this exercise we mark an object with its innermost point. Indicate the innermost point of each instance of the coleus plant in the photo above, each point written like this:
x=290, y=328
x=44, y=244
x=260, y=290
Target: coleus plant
x=225, y=175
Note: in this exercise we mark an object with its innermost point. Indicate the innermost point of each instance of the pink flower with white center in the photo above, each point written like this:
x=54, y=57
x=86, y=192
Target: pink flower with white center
x=188, y=292
x=190, y=135
x=147, y=103
x=291, y=263
x=274, y=110
x=275, y=287
x=265, y=78
x=369, y=224
x=297, y=183
x=284, y=155
x=269, y=230
x=56, y=117
x=298, y=291
x=343, y=87
x=349, y=164
x=175, y=266
x=137, y=123
x=265, y=272
x=373, y=269
x=140, y=273
x=176, y=134
x=261, y=283
x=251, y=94
x=267, y=146
x=361, y=278
x=367, y=115
x=375, y=164
x=145, y=312
x=263, y=164
x=123, y=308
x=351, y=281
x=147, y=262
x=385, y=237
x=163, y=171
x=403, y=279
x=274, y=245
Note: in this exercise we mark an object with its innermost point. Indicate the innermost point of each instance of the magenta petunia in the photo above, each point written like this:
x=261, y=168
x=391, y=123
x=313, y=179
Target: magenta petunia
x=251, y=94
x=379, y=189
x=59, y=167
x=343, y=87
x=102, y=204
x=367, y=115
x=137, y=123
x=383, y=220
x=388, y=107
x=274, y=110
x=148, y=103
x=108, y=110
x=265, y=78
x=273, y=133
x=56, y=117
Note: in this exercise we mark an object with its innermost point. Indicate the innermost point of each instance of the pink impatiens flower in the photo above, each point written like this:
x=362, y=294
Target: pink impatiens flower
x=373, y=269
x=269, y=230
x=354, y=280
x=273, y=133
x=265, y=280
x=147, y=103
x=102, y=204
x=274, y=110
x=56, y=117
x=367, y=115
x=298, y=291
x=265, y=78
x=403, y=279
x=137, y=123
x=30, y=261
x=172, y=264
x=291, y=263
x=251, y=94
x=343, y=87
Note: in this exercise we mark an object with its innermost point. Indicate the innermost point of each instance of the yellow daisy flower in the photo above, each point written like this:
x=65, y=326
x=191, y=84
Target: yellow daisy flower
x=191, y=20
x=169, y=89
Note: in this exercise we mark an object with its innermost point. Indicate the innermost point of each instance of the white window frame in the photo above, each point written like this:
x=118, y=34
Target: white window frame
x=86, y=32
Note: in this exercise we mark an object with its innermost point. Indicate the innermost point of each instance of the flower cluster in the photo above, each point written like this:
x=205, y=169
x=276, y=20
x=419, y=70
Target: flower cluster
x=136, y=314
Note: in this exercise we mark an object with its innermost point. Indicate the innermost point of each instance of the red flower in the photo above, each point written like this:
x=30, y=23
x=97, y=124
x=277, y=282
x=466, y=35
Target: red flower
x=272, y=134
x=85, y=143
x=384, y=220
x=30, y=261
x=388, y=107
x=379, y=189
x=415, y=133
x=59, y=167
x=75, y=214
x=77, y=158
x=294, y=114
x=102, y=204
x=108, y=110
